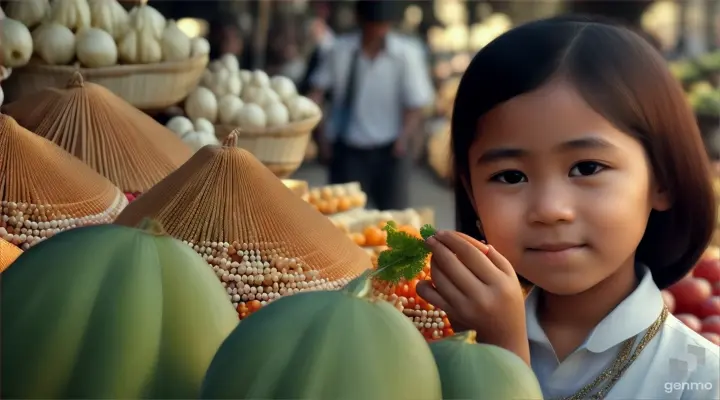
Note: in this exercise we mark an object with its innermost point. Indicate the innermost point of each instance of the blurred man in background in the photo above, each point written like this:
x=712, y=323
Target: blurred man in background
x=380, y=85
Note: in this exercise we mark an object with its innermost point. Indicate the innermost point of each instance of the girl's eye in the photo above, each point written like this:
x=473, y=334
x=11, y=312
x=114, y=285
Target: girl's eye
x=586, y=168
x=509, y=177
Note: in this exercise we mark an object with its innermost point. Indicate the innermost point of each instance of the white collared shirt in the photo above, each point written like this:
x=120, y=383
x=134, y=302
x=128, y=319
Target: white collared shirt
x=395, y=80
x=677, y=364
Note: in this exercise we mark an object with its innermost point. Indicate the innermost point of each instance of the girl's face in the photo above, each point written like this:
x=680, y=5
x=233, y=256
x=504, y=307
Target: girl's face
x=562, y=193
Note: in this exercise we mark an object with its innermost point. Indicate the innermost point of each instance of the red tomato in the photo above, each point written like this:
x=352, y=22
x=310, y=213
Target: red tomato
x=711, y=324
x=709, y=307
x=713, y=337
x=690, y=321
x=708, y=269
x=669, y=300
x=690, y=293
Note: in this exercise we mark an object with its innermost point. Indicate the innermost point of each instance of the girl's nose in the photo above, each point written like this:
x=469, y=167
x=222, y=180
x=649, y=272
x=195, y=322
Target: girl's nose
x=551, y=205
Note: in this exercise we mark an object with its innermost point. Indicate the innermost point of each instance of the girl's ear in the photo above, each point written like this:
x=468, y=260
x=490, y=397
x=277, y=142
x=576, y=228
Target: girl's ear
x=660, y=198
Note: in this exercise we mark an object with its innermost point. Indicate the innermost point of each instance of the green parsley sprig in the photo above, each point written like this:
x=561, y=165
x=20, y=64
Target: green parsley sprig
x=406, y=254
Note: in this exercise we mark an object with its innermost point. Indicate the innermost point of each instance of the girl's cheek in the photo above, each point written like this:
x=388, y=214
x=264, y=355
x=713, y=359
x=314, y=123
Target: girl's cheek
x=502, y=222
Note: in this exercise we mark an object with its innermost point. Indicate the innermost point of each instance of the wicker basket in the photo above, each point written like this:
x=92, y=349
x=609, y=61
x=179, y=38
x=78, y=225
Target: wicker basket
x=147, y=86
x=281, y=149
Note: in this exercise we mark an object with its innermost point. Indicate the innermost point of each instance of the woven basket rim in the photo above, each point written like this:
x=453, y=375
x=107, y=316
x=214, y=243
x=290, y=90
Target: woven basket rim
x=117, y=70
x=298, y=128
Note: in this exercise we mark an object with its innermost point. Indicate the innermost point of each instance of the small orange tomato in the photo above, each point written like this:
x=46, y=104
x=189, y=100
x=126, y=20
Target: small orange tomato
x=254, y=305
x=411, y=287
x=402, y=290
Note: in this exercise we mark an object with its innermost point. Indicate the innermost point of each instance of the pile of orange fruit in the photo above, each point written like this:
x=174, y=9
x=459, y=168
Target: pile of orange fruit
x=331, y=202
x=375, y=236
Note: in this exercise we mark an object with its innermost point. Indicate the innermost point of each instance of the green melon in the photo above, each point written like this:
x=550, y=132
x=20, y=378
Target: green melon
x=470, y=370
x=325, y=345
x=110, y=312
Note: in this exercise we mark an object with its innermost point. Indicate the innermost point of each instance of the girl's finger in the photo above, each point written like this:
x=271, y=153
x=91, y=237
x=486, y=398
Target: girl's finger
x=446, y=287
x=500, y=261
x=469, y=255
x=478, y=244
x=459, y=274
x=426, y=290
x=430, y=294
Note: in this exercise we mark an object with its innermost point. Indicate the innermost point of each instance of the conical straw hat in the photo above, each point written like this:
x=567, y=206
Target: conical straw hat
x=262, y=239
x=44, y=189
x=117, y=140
x=8, y=254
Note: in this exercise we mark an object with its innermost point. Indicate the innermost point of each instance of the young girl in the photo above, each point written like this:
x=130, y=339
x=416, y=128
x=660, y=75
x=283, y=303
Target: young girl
x=579, y=162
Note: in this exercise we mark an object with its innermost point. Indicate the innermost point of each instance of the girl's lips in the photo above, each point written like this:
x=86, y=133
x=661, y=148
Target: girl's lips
x=555, y=247
x=555, y=254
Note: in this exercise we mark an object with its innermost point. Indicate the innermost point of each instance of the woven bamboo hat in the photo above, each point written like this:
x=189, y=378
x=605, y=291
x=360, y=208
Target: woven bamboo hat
x=117, y=140
x=262, y=239
x=8, y=254
x=45, y=190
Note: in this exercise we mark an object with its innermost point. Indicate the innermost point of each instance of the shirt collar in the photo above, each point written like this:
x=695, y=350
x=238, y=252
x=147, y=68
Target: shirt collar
x=392, y=43
x=634, y=315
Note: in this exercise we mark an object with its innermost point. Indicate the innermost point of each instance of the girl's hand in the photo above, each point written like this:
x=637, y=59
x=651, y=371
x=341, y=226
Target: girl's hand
x=478, y=289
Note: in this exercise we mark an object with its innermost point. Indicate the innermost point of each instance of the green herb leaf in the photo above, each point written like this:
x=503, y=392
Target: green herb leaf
x=405, y=257
x=427, y=230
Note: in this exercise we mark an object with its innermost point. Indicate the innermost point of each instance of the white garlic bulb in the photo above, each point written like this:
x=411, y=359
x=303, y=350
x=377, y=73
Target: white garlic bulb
x=302, y=108
x=17, y=45
x=230, y=62
x=30, y=12
x=246, y=76
x=180, y=125
x=204, y=125
x=260, y=78
x=175, y=43
x=277, y=114
x=147, y=18
x=253, y=94
x=110, y=16
x=228, y=107
x=234, y=84
x=54, y=43
x=251, y=116
x=139, y=47
x=74, y=14
x=96, y=48
x=201, y=103
x=284, y=87
x=199, y=47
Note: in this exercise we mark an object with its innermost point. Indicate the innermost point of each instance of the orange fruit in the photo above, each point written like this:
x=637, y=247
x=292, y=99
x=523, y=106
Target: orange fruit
x=359, y=239
x=374, y=236
x=343, y=204
x=410, y=230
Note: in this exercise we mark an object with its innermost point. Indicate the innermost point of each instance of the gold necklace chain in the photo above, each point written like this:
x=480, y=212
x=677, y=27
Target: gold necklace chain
x=612, y=374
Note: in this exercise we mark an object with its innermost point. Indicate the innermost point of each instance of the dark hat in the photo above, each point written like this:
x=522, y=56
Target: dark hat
x=379, y=10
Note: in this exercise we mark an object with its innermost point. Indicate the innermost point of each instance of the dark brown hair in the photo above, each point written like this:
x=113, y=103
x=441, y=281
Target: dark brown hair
x=627, y=81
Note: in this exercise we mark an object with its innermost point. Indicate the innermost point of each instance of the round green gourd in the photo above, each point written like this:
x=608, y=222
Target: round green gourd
x=470, y=370
x=110, y=312
x=325, y=345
